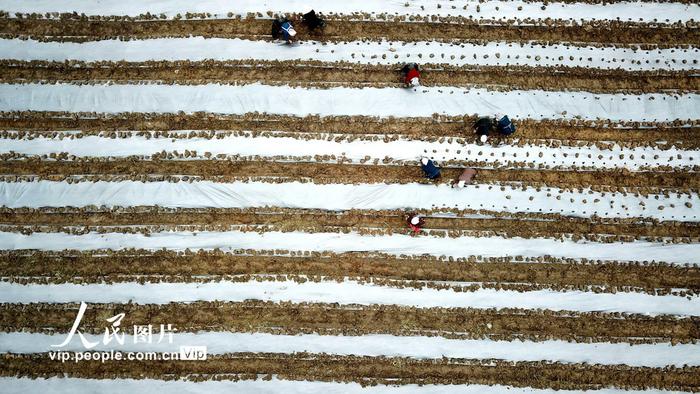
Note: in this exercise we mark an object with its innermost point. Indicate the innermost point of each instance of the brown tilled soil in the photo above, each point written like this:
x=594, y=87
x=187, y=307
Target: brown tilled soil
x=334, y=319
x=366, y=371
x=462, y=275
x=457, y=213
x=88, y=267
x=319, y=74
x=76, y=29
x=388, y=221
x=440, y=127
x=225, y=170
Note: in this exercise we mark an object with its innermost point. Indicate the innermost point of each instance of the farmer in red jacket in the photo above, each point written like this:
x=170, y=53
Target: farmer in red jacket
x=411, y=75
x=415, y=222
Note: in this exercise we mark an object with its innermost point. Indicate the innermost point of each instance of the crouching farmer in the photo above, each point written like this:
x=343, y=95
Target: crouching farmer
x=501, y=123
x=429, y=168
x=282, y=28
x=312, y=21
x=415, y=222
x=504, y=126
x=482, y=128
x=411, y=75
x=465, y=178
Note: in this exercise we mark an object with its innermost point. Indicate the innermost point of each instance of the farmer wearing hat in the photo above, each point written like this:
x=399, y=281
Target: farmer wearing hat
x=484, y=125
x=282, y=28
x=288, y=32
x=465, y=178
x=411, y=75
x=429, y=168
x=415, y=222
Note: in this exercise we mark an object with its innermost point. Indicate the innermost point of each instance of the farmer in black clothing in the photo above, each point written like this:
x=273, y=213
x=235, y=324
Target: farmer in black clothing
x=312, y=21
x=483, y=127
x=502, y=123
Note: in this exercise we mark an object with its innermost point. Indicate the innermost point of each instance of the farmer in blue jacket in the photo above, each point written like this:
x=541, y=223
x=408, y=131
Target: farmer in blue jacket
x=288, y=32
x=503, y=125
x=431, y=171
x=282, y=28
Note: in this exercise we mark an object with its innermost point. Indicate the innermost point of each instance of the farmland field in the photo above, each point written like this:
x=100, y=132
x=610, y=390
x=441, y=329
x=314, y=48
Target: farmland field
x=167, y=164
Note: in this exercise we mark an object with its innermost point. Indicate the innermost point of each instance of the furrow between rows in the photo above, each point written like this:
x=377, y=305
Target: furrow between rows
x=331, y=319
x=551, y=272
x=72, y=29
x=319, y=74
x=92, y=169
x=524, y=225
x=204, y=125
x=368, y=371
x=376, y=222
